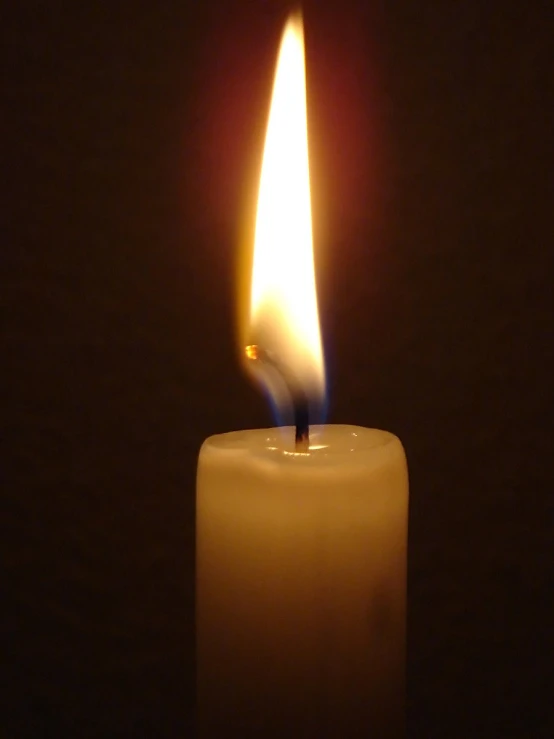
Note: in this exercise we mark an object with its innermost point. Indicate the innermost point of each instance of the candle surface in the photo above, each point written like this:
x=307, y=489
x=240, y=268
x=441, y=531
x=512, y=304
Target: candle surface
x=301, y=584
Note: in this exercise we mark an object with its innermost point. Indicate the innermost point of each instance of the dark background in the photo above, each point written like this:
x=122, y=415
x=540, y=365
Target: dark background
x=132, y=134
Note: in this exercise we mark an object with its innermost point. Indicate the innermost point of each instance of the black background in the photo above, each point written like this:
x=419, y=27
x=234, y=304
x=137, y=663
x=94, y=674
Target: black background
x=131, y=136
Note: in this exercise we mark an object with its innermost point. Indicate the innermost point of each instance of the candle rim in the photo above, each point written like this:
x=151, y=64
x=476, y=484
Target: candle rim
x=328, y=442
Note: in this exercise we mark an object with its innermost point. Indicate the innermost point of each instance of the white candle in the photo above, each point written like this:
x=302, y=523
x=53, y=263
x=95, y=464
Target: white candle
x=301, y=585
x=301, y=547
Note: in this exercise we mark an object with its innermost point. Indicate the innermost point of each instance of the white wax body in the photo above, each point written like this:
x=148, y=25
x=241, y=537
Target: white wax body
x=301, y=584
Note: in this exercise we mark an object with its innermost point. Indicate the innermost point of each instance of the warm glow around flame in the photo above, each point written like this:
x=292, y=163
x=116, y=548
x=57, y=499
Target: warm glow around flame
x=283, y=304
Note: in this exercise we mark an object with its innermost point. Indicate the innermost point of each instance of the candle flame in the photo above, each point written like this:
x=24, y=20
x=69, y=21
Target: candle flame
x=283, y=316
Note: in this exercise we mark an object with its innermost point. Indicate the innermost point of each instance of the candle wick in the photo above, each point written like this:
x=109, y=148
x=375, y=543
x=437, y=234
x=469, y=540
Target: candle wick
x=302, y=424
x=299, y=399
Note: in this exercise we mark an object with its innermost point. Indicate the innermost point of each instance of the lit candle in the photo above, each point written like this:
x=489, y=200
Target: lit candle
x=301, y=530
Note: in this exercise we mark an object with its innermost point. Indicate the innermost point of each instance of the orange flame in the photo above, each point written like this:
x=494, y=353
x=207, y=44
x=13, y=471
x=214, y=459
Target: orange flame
x=283, y=315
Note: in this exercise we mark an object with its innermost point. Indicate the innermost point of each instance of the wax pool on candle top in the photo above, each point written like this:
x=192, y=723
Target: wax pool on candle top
x=301, y=584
